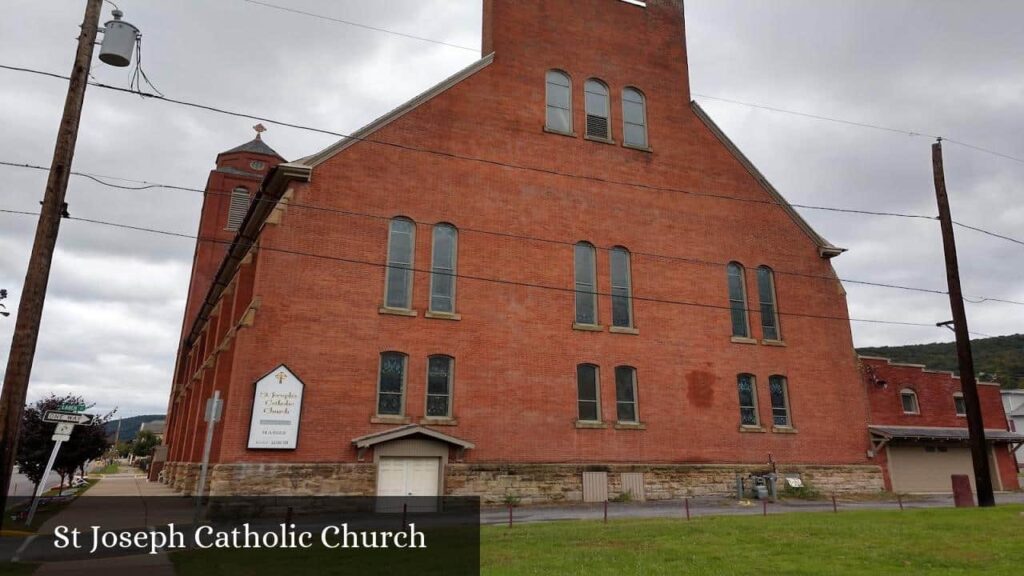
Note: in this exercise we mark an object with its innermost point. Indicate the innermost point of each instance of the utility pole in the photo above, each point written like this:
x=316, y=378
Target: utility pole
x=30, y=308
x=968, y=385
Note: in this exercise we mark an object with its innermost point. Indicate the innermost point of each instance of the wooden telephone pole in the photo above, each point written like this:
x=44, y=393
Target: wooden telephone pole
x=30, y=308
x=968, y=385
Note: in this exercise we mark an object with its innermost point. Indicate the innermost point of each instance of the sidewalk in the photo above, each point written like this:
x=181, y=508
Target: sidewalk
x=139, y=503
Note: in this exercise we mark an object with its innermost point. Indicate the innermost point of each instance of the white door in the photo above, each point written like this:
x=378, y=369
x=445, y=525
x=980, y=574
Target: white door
x=408, y=477
x=928, y=468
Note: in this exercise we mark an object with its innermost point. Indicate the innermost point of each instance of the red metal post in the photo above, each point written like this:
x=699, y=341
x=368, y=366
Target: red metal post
x=605, y=511
x=834, y=507
x=686, y=503
x=899, y=499
x=509, y=515
x=764, y=506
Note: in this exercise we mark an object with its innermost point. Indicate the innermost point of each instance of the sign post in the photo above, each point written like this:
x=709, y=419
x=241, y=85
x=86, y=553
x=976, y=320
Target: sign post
x=66, y=422
x=214, y=405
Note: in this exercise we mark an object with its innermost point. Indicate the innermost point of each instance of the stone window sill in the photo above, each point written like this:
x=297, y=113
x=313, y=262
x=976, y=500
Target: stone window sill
x=438, y=421
x=623, y=330
x=639, y=148
x=630, y=426
x=587, y=327
x=390, y=419
x=773, y=343
x=589, y=424
x=397, y=312
x=560, y=133
x=742, y=340
x=755, y=429
x=599, y=139
x=784, y=430
x=442, y=315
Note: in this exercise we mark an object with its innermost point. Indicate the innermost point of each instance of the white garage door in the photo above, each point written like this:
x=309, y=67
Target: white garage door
x=406, y=477
x=923, y=468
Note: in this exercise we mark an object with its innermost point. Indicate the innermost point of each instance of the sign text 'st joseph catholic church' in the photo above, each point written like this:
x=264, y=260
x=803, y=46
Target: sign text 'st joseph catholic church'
x=276, y=407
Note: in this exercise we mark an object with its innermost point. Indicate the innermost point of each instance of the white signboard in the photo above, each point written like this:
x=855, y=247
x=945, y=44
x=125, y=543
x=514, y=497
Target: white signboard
x=275, y=411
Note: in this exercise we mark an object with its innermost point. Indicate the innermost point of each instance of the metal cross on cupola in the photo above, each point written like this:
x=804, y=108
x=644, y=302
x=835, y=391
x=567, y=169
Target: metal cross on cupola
x=259, y=128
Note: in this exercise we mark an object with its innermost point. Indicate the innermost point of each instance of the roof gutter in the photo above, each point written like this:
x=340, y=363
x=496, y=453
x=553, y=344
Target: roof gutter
x=273, y=187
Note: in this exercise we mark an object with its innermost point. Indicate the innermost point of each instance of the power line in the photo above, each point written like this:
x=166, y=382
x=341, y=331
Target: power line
x=453, y=155
x=993, y=234
x=149, y=185
x=706, y=96
x=860, y=125
x=470, y=277
x=358, y=25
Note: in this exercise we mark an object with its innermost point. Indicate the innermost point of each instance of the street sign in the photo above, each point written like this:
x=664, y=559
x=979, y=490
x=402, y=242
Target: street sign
x=64, y=428
x=72, y=407
x=61, y=437
x=56, y=417
x=214, y=405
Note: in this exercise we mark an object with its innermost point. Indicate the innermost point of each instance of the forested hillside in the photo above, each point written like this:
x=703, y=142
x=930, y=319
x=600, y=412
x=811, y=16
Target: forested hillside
x=999, y=359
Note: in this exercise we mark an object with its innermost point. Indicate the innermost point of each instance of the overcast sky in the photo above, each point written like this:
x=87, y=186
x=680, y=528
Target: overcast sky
x=116, y=297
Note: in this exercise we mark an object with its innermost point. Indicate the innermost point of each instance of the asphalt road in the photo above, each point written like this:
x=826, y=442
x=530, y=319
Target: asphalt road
x=21, y=486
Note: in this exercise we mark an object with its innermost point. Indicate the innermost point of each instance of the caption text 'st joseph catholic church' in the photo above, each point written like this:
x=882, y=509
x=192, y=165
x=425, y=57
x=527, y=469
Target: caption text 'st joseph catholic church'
x=550, y=266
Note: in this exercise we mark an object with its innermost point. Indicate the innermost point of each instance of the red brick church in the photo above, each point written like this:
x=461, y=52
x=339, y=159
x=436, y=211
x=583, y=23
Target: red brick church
x=552, y=266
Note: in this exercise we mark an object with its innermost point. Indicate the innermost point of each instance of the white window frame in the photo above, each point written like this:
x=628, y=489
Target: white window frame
x=785, y=401
x=411, y=265
x=956, y=407
x=405, y=378
x=636, y=396
x=593, y=285
x=646, y=126
x=434, y=268
x=607, y=106
x=774, y=303
x=597, y=391
x=547, y=89
x=743, y=291
x=631, y=321
x=912, y=393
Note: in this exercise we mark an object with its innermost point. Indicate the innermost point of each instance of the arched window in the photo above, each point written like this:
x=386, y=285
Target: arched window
x=959, y=404
x=908, y=398
x=440, y=371
x=769, y=310
x=237, y=208
x=622, y=288
x=391, y=384
x=588, y=393
x=778, y=387
x=625, y=394
x=598, y=109
x=745, y=383
x=559, y=102
x=442, y=269
x=586, y=284
x=738, y=300
x=398, y=280
x=634, y=118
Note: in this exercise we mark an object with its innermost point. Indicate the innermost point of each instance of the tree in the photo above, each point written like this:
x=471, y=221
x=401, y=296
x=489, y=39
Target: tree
x=3, y=309
x=87, y=442
x=144, y=444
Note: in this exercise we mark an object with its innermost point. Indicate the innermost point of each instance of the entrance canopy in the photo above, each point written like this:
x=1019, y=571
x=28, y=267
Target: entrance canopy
x=408, y=431
x=882, y=435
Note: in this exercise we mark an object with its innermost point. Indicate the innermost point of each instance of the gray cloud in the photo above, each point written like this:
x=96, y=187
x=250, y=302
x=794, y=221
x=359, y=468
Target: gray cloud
x=114, y=313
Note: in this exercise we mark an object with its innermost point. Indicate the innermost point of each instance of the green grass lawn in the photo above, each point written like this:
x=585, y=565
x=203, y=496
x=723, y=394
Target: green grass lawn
x=940, y=541
x=875, y=543
x=111, y=468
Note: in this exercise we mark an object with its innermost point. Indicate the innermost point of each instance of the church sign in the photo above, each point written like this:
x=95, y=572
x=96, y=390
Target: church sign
x=276, y=407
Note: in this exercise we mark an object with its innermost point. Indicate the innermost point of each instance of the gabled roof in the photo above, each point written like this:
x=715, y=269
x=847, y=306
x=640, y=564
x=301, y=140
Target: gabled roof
x=825, y=248
x=254, y=146
x=361, y=134
x=406, y=431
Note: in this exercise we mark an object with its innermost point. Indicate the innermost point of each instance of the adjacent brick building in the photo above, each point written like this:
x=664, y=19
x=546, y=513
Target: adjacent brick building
x=918, y=424
x=551, y=265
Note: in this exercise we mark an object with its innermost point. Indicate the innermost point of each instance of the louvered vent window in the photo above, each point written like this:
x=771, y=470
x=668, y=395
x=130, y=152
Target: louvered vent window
x=597, y=110
x=239, y=206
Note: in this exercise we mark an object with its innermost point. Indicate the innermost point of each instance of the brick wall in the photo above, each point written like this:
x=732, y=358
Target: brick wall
x=515, y=350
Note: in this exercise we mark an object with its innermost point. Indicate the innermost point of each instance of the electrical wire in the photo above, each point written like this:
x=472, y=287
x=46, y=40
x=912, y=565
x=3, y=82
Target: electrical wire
x=453, y=155
x=469, y=277
x=358, y=25
x=149, y=185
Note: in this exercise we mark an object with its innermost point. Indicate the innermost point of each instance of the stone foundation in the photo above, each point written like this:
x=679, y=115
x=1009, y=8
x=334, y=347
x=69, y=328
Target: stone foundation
x=529, y=483
x=548, y=483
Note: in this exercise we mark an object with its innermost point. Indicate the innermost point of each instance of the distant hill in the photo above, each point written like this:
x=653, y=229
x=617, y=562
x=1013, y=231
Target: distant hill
x=130, y=426
x=999, y=359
